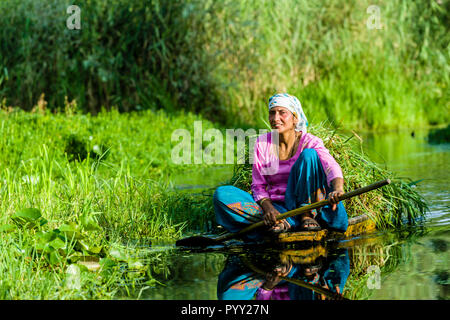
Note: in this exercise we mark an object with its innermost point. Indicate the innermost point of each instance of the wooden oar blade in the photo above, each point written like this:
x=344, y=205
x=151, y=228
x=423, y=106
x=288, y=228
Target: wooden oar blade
x=197, y=241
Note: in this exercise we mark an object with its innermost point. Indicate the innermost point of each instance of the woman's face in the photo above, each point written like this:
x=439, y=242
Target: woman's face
x=281, y=119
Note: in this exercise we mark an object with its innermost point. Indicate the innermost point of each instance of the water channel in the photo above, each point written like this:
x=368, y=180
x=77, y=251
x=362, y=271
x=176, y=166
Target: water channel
x=407, y=264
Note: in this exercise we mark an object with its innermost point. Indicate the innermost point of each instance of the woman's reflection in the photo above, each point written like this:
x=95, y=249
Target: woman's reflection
x=290, y=275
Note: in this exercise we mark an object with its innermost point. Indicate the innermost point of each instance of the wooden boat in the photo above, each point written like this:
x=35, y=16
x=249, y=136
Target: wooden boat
x=356, y=226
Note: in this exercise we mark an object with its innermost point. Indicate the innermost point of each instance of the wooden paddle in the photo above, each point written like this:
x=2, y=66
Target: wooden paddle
x=203, y=241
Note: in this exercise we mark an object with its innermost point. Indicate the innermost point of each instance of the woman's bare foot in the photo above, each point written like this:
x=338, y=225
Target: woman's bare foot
x=308, y=223
x=280, y=227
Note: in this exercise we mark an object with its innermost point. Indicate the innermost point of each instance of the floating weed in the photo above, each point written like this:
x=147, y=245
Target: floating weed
x=65, y=253
x=29, y=217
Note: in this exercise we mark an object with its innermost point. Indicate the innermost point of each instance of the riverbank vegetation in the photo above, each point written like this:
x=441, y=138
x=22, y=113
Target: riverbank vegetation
x=77, y=189
x=354, y=67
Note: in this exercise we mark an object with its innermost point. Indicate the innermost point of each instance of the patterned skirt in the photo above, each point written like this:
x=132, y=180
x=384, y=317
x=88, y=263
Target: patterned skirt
x=235, y=208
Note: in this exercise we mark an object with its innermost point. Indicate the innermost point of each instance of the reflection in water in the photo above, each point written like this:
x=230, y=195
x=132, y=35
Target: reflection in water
x=413, y=264
x=291, y=275
x=407, y=264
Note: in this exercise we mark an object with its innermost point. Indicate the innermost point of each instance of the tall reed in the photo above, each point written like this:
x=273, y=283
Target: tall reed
x=225, y=58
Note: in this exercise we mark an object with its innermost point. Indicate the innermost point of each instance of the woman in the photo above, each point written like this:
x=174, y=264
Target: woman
x=291, y=168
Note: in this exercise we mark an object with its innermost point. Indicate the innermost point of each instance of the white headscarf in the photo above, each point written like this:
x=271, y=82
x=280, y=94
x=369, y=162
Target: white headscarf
x=293, y=105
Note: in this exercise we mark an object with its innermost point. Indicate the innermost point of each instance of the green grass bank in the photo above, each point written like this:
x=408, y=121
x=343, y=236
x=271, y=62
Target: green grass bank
x=100, y=188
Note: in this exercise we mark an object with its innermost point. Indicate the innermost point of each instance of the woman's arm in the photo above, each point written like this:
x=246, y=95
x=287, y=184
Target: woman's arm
x=259, y=182
x=333, y=171
x=259, y=189
x=259, y=186
x=338, y=184
x=338, y=190
x=261, y=196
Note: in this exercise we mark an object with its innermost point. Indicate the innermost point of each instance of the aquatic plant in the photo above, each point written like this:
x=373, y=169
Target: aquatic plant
x=370, y=253
x=48, y=263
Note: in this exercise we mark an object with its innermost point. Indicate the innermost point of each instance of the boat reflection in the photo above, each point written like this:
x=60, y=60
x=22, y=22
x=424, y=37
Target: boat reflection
x=303, y=274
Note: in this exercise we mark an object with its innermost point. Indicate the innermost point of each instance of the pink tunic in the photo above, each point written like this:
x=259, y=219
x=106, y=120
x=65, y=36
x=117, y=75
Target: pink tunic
x=280, y=292
x=270, y=175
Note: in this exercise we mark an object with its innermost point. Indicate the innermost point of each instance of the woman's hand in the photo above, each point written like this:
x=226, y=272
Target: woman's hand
x=338, y=190
x=333, y=196
x=270, y=216
x=271, y=281
x=270, y=213
x=274, y=277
